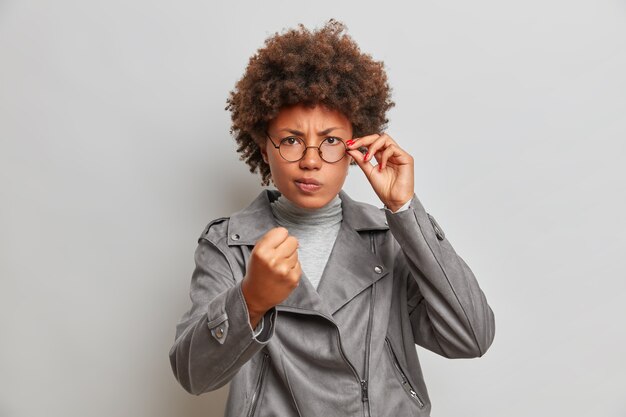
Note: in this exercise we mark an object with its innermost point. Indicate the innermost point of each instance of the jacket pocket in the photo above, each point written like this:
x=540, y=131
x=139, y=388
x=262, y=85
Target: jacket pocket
x=402, y=376
x=259, y=384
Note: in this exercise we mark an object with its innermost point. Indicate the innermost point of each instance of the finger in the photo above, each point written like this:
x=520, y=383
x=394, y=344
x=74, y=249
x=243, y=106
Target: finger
x=297, y=270
x=296, y=273
x=358, y=157
x=378, y=144
x=399, y=156
x=377, y=156
x=387, y=153
x=287, y=248
x=356, y=143
x=274, y=237
x=291, y=274
x=292, y=260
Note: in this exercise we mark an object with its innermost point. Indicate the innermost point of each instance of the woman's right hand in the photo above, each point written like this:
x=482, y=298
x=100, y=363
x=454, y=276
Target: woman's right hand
x=273, y=272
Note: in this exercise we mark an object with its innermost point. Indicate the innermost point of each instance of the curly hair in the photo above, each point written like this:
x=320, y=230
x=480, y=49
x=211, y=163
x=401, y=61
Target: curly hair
x=299, y=66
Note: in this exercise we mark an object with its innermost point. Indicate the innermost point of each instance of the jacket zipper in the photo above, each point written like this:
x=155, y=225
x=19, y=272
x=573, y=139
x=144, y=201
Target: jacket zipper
x=361, y=382
x=342, y=351
x=405, y=381
x=368, y=338
x=364, y=382
x=259, y=382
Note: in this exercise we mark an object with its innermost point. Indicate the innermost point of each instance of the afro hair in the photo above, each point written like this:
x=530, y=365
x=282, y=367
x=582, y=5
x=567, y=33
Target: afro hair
x=300, y=66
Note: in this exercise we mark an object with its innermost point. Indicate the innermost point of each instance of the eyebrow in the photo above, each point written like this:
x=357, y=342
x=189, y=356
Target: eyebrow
x=322, y=133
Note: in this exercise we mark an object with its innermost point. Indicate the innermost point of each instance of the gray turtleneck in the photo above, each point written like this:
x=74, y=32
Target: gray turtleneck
x=315, y=229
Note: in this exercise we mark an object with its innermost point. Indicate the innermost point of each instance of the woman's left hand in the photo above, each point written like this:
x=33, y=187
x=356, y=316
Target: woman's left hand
x=392, y=178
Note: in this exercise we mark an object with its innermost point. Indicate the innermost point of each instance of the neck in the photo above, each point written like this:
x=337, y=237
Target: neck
x=287, y=212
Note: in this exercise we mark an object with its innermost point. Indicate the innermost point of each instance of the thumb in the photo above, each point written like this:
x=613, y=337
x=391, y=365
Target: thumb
x=359, y=158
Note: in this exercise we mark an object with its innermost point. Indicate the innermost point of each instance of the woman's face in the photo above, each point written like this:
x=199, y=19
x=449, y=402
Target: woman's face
x=312, y=125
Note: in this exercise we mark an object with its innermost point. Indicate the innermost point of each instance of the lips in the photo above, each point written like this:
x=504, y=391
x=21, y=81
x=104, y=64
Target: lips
x=308, y=181
x=308, y=184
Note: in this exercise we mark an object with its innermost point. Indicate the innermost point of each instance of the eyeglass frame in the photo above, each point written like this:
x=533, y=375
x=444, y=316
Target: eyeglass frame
x=319, y=151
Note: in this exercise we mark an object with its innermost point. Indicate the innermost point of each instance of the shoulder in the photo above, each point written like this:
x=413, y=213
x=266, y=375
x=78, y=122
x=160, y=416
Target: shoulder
x=215, y=230
x=248, y=218
x=362, y=216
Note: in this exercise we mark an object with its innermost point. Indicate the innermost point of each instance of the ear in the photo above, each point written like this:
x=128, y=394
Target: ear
x=264, y=154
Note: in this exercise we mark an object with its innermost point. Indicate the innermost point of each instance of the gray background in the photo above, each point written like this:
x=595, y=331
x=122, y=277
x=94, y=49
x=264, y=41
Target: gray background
x=115, y=153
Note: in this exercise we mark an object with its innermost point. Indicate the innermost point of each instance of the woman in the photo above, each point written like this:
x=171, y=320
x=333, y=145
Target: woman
x=308, y=302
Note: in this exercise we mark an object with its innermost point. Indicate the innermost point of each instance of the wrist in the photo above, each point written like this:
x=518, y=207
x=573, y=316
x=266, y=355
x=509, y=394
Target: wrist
x=255, y=319
x=255, y=311
x=395, y=207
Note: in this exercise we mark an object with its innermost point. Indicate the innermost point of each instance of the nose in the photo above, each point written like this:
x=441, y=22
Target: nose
x=311, y=158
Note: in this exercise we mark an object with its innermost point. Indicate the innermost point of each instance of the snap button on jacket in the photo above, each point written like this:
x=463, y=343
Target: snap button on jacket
x=392, y=281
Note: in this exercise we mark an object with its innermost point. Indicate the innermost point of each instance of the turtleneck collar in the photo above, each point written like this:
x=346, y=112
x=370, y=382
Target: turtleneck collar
x=286, y=212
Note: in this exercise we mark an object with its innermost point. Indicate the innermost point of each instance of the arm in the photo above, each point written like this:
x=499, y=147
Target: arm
x=215, y=338
x=448, y=311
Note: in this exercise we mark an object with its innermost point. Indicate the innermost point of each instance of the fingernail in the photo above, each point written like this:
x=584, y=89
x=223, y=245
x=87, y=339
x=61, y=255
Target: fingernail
x=350, y=142
x=366, y=155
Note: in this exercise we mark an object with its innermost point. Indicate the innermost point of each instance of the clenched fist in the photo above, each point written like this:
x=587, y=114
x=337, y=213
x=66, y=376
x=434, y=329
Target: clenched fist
x=273, y=272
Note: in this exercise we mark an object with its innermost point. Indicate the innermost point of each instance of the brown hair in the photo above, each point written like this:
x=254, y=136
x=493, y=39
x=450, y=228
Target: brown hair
x=324, y=66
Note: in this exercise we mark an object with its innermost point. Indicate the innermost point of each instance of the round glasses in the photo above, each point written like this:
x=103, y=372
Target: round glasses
x=292, y=148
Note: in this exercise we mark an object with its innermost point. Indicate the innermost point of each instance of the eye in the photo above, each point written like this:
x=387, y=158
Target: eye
x=333, y=140
x=290, y=141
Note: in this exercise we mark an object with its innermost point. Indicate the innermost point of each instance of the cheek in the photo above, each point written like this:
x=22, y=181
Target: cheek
x=280, y=172
x=347, y=162
x=341, y=172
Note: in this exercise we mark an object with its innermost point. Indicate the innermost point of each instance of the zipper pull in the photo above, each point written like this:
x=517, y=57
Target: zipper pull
x=364, y=396
x=416, y=397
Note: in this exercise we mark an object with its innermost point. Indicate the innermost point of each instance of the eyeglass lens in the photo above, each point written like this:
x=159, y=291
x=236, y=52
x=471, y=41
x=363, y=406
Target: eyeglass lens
x=331, y=149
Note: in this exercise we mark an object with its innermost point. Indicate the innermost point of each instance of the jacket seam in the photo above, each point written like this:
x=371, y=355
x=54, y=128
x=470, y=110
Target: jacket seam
x=223, y=252
x=293, y=397
x=317, y=313
x=239, y=353
x=416, y=305
x=469, y=322
x=230, y=365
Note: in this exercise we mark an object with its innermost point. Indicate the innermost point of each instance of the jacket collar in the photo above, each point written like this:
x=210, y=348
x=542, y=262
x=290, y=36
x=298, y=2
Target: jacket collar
x=250, y=224
x=352, y=266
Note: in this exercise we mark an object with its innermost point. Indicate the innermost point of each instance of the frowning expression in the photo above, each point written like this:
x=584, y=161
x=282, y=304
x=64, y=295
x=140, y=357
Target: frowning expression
x=310, y=182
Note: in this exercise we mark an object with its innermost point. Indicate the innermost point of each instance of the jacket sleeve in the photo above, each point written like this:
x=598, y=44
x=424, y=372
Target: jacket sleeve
x=448, y=311
x=215, y=338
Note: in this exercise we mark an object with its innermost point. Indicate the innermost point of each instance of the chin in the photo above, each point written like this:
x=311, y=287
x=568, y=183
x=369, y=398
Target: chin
x=308, y=201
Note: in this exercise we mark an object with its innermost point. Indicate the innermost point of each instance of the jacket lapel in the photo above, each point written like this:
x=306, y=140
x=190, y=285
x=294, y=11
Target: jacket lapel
x=351, y=267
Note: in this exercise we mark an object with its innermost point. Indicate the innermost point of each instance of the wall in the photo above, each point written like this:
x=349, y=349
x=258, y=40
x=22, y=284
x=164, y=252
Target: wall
x=114, y=144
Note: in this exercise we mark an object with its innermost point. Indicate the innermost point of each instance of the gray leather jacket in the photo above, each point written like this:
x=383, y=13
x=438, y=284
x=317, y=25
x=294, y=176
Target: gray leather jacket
x=393, y=280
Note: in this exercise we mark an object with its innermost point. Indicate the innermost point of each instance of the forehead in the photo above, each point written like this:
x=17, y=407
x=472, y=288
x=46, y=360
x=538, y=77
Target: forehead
x=302, y=117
